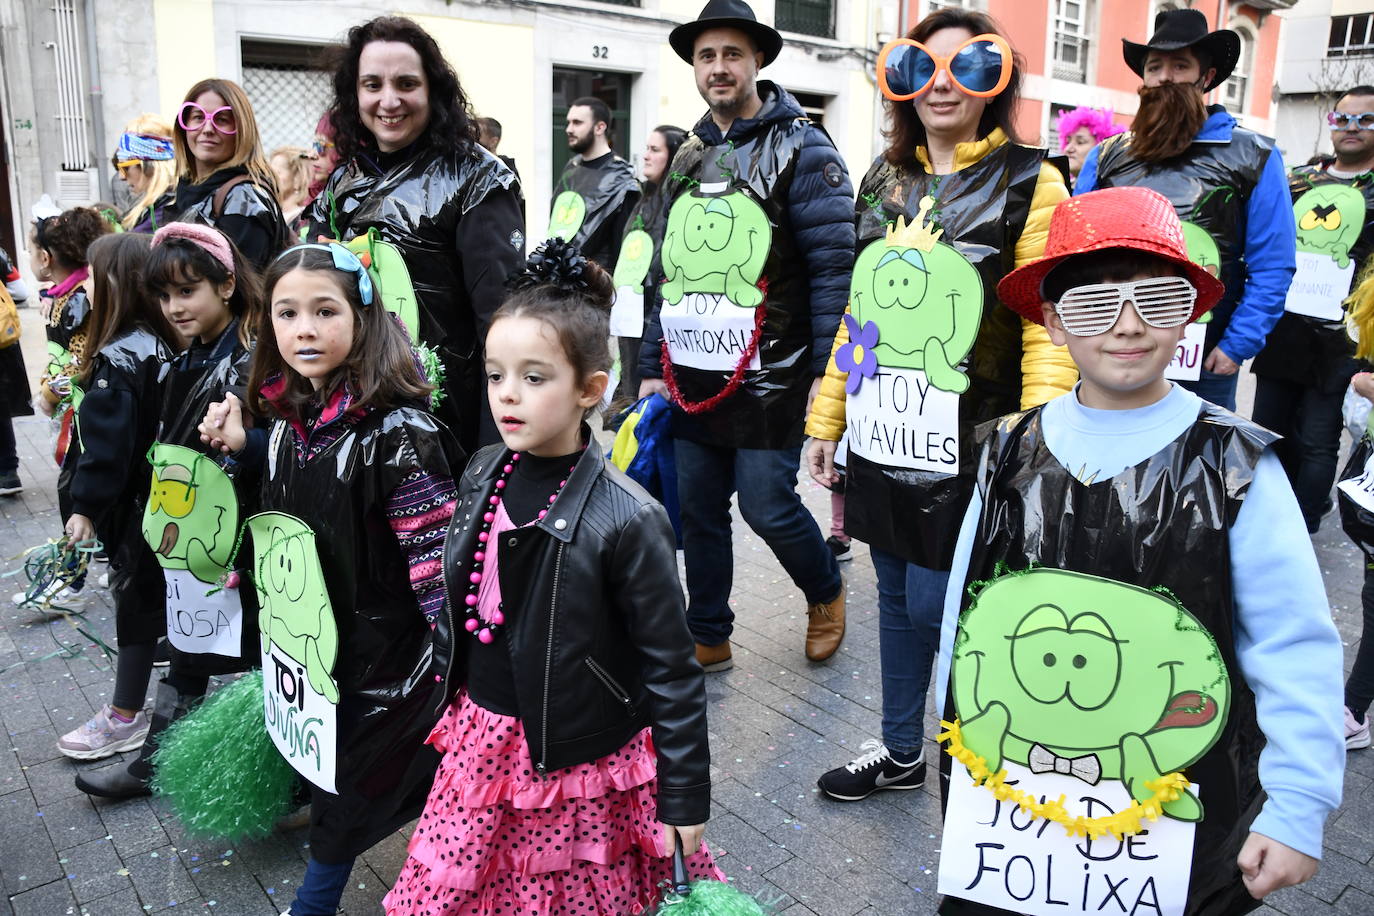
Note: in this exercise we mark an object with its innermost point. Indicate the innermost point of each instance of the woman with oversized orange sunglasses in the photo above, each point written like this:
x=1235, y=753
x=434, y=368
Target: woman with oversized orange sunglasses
x=924, y=315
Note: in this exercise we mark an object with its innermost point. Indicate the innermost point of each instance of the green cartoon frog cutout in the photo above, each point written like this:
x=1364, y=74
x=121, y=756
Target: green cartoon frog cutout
x=192, y=514
x=296, y=614
x=1062, y=671
x=62, y=363
x=636, y=256
x=1202, y=251
x=1330, y=218
x=569, y=211
x=924, y=296
x=716, y=244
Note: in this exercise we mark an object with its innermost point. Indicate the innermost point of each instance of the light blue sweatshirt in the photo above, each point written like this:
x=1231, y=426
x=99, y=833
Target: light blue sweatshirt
x=1287, y=647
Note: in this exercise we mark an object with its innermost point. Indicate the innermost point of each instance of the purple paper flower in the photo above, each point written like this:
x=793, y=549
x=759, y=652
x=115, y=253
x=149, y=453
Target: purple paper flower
x=856, y=357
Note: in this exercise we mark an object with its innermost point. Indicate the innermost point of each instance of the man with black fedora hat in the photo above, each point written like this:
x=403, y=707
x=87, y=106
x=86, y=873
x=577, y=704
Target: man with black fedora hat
x=1227, y=184
x=755, y=262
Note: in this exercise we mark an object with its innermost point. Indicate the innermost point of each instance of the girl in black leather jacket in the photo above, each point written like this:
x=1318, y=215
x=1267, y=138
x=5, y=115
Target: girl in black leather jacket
x=574, y=731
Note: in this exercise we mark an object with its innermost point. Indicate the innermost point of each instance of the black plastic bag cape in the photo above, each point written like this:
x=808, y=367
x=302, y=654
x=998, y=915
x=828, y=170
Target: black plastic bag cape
x=893, y=500
x=1209, y=186
x=1335, y=217
x=385, y=683
x=418, y=201
x=251, y=216
x=585, y=203
x=1160, y=524
x=745, y=181
x=134, y=363
x=194, y=516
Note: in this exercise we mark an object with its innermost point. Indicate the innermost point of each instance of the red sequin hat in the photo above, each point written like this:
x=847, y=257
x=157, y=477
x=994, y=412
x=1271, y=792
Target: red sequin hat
x=1133, y=218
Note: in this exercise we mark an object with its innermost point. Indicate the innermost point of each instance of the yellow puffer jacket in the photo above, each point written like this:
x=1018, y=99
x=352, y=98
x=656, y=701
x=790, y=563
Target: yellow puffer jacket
x=1046, y=370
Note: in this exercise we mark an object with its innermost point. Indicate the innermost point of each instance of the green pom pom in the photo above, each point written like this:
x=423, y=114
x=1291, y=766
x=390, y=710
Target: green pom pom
x=219, y=769
x=434, y=373
x=715, y=898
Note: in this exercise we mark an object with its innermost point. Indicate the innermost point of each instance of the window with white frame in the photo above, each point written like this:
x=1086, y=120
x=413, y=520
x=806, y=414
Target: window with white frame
x=1351, y=36
x=1235, y=92
x=1071, y=40
x=933, y=5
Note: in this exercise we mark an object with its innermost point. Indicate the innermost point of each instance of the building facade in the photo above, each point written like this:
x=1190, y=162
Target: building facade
x=1072, y=50
x=75, y=71
x=1328, y=47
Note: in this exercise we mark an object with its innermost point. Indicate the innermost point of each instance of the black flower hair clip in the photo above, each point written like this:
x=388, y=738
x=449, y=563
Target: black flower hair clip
x=555, y=263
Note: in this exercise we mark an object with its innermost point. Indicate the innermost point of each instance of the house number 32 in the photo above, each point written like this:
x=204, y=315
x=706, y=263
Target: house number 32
x=601, y=52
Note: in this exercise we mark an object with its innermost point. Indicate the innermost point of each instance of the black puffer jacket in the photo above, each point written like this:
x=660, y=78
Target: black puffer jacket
x=457, y=220
x=596, y=627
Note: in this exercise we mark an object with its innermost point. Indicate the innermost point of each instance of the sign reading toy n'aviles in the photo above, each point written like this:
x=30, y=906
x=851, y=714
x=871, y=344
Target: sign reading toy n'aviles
x=300, y=645
x=897, y=418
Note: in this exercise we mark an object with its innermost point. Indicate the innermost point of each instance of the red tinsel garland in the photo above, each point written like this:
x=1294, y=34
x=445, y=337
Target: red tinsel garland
x=736, y=377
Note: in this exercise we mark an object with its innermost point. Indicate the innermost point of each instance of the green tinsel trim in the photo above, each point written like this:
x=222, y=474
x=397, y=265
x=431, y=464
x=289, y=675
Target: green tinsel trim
x=434, y=373
x=710, y=898
x=219, y=769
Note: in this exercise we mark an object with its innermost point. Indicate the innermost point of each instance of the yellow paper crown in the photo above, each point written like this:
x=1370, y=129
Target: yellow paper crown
x=916, y=234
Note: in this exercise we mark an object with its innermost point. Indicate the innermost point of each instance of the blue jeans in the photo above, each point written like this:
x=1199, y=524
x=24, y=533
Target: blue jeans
x=911, y=603
x=1219, y=389
x=766, y=481
x=322, y=889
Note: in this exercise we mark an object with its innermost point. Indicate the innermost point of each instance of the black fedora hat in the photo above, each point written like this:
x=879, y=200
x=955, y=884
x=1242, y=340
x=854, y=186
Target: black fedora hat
x=726, y=14
x=1176, y=29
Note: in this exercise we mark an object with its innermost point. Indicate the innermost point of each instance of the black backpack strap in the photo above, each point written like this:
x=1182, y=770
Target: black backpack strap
x=217, y=205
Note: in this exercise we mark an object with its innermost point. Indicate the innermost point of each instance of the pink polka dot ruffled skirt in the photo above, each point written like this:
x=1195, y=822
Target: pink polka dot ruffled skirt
x=498, y=839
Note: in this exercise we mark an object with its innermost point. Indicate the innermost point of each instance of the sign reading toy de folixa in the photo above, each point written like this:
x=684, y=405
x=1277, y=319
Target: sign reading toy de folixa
x=191, y=522
x=1329, y=219
x=300, y=644
x=631, y=267
x=1084, y=699
x=915, y=304
x=714, y=249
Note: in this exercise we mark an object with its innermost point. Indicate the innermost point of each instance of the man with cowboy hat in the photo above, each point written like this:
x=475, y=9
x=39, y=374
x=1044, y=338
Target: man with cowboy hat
x=1227, y=181
x=756, y=258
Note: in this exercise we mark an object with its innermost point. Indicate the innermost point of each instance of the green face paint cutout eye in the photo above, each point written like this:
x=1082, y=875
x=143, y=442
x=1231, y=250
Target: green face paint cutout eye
x=1329, y=219
x=1081, y=665
x=191, y=519
x=1055, y=659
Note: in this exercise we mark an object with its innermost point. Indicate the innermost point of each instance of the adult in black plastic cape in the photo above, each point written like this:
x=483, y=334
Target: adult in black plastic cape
x=636, y=266
x=1227, y=184
x=593, y=197
x=927, y=350
x=412, y=169
x=755, y=263
x=1306, y=364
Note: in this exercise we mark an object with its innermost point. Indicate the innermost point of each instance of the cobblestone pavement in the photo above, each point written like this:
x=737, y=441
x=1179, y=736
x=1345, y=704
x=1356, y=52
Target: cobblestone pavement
x=777, y=722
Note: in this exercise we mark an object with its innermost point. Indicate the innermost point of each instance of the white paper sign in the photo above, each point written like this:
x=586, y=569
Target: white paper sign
x=1361, y=489
x=303, y=724
x=707, y=331
x=1188, y=357
x=627, y=312
x=1319, y=286
x=198, y=623
x=899, y=419
x=994, y=853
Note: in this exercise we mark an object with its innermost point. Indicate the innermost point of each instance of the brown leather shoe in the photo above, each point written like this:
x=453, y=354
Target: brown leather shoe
x=715, y=658
x=825, y=627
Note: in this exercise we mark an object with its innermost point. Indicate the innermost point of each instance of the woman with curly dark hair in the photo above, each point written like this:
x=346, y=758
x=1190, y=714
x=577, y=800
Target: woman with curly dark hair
x=412, y=169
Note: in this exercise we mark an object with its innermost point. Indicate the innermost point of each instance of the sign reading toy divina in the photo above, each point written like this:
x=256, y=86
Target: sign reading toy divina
x=1079, y=703
x=300, y=645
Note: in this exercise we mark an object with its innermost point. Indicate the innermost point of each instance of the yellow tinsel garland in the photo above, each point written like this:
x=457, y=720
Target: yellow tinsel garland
x=1121, y=824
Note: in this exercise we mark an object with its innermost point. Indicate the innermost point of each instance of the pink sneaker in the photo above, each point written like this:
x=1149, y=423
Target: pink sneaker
x=105, y=736
x=1356, y=733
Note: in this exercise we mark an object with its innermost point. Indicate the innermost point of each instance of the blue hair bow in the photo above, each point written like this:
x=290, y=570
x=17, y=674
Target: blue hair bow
x=346, y=261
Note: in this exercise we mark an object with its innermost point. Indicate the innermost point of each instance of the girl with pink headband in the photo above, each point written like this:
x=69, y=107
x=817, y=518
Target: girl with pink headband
x=207, y=293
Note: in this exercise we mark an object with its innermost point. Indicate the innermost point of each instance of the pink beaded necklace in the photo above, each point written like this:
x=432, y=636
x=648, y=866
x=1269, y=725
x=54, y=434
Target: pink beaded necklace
x=486, y=629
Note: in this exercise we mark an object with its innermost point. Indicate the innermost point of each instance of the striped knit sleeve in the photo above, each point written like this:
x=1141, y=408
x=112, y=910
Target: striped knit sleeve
x=418, y=511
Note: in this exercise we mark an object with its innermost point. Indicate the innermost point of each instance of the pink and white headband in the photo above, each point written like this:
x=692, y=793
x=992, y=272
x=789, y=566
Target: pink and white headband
x=211, y=240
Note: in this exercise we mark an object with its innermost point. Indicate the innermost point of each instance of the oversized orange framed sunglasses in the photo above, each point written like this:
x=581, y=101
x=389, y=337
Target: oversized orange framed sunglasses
x=980, y=67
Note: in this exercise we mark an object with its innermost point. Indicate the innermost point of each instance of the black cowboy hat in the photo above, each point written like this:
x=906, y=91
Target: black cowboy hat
x=726, y=14
x=1176, y=29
